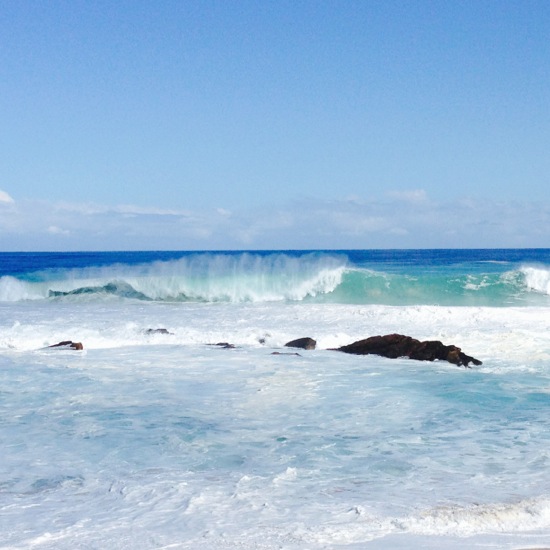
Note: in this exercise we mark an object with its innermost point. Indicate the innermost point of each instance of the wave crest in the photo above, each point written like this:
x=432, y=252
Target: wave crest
x=245, y=277
x=537, y=278
x=526, y=515
x=259, y=277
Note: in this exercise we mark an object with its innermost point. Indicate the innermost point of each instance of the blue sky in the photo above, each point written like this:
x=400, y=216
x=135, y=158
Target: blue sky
x=288, y=124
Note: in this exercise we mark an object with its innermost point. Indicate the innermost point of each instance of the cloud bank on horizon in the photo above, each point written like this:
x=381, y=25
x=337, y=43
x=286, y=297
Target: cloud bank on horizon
x=398, y=220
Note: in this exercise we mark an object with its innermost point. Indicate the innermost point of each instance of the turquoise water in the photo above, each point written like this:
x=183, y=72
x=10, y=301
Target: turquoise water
x=439, y=277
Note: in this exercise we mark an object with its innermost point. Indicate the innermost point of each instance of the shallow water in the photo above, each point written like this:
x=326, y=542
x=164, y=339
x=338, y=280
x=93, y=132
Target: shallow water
x=162, y=441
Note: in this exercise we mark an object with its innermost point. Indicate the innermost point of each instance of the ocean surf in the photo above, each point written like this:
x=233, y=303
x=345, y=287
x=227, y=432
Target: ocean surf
x=155, y=439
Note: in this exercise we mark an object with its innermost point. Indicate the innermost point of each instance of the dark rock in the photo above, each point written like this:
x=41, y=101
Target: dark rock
x=397, y=345
x=224, y=345
x=157, y=331
x=68, y=344
x=285, y=353
x=302, y=343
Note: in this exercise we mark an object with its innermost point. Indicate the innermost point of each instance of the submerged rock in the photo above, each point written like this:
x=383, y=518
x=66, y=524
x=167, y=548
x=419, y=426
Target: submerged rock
x=157, y=331
x=68, y=344
x=223, y=345
x=398, y=345
x=302, y=343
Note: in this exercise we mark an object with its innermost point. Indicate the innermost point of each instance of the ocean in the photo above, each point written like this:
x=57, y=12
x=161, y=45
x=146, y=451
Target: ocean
x=155, y=437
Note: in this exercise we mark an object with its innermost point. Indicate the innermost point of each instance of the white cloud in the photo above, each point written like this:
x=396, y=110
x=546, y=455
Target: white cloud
x=4, y=197
x=413, y=196
x=139, y=210
x=90, y=209
x=54, y=230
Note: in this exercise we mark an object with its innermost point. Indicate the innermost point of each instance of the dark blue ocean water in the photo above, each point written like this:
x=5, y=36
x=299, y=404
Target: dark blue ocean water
x=14, y=263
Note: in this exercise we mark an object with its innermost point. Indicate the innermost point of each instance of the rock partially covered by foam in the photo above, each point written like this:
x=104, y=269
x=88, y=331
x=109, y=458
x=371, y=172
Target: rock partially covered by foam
x=398, y=345
x=157, y=331
x=68, y=344
x=223, y=345
x=302, y=343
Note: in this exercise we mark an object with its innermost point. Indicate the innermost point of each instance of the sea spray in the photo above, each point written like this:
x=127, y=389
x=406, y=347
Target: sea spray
x=537, y=278
x=205, y=277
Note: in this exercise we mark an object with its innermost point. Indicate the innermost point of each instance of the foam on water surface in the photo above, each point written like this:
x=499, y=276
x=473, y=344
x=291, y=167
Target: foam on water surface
x=158, y=440
x=195, y=445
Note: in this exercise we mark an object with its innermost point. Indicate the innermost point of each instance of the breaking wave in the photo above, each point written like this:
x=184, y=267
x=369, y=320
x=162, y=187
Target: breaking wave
x=526, y=515
x=250, y=277
x=245, y=277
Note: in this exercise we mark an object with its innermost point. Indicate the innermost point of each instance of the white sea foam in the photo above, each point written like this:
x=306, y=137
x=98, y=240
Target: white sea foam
x=526, y=515
x=160, y=441
x=13, y=290
x=537, y=278
x=358, y=525
x=521, y=334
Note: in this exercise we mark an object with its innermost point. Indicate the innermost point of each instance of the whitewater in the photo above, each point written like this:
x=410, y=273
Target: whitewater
x=153, y=439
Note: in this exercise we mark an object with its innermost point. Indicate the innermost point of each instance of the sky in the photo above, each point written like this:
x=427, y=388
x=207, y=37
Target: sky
x=213, y=125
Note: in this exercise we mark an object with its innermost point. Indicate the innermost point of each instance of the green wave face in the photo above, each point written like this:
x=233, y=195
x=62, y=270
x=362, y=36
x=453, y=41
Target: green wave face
x=486, y=289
